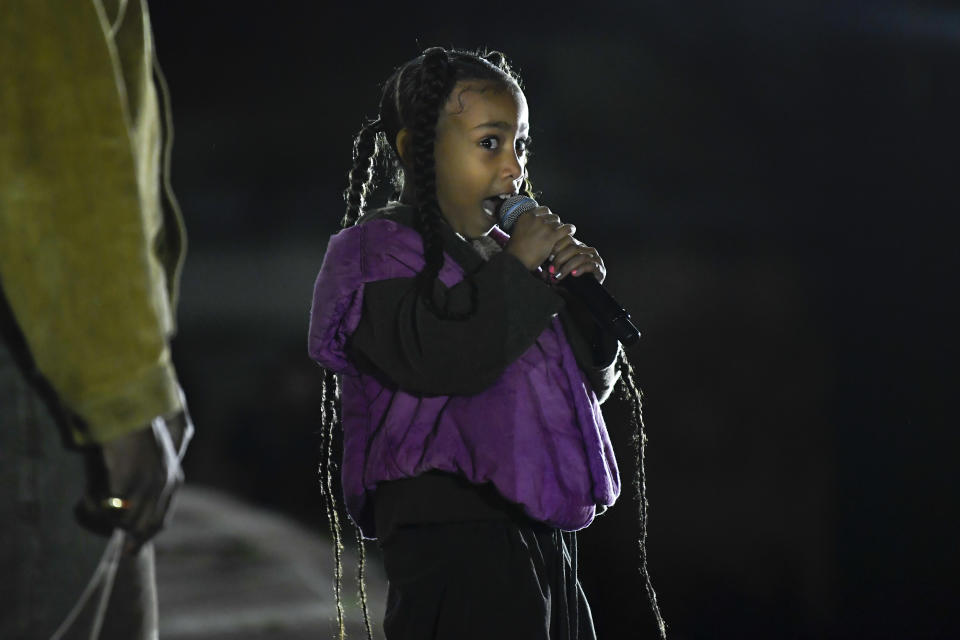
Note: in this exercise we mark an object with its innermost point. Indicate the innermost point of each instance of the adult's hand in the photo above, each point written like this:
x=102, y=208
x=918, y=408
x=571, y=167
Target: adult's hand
x=138, y=476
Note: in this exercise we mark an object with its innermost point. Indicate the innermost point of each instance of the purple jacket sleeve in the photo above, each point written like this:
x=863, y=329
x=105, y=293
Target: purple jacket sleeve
x=419, y=351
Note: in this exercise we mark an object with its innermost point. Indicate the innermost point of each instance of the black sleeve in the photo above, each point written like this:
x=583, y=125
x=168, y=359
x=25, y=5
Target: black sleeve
x=420, y=352
x=596, y=350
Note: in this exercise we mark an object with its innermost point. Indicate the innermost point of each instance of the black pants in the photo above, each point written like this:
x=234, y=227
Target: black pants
x=484, y=579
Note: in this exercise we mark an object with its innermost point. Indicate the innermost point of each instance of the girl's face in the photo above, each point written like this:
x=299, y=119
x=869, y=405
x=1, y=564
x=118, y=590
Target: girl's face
x=480, y=153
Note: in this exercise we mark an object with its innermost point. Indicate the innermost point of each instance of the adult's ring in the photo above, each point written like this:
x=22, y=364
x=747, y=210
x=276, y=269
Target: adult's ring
x=114, y=503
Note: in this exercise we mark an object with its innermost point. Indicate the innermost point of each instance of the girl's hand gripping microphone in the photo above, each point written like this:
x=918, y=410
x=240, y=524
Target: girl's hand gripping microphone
x=606, y=311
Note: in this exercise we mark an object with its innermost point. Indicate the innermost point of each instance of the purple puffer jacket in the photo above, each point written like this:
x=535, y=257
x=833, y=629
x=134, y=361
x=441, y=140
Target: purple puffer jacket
x=537, y=433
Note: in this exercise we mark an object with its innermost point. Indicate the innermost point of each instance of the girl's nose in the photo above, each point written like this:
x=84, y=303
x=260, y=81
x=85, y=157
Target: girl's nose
x=513, y=167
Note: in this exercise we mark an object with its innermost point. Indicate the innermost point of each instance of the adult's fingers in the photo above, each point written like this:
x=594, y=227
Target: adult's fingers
x=156, y=495
x=92, y=514
x=140, y=515
x=143, y=473
x=148, y=521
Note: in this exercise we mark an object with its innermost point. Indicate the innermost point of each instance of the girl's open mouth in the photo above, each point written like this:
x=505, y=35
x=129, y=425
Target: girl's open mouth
x=490, y=204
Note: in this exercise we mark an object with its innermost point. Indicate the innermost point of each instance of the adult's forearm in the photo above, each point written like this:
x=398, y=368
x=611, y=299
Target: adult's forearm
x=80, y=210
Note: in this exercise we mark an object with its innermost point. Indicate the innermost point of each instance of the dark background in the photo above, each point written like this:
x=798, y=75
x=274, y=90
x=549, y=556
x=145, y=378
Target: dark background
x=772, y=187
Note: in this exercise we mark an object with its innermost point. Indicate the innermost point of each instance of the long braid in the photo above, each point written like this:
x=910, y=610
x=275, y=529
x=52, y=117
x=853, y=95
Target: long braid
x=365, y=148
x=631, y=392
x=361, y=180
x=330, y=418
x=434, y=85
x=328, y=391
x=361, y=177
x=361, y=580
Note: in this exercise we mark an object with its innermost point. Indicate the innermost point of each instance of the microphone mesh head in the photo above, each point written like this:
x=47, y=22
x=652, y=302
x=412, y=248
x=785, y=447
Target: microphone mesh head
x=512, y=208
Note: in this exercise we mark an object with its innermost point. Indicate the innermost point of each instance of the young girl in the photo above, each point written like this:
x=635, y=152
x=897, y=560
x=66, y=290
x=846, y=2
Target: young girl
x=473, y=442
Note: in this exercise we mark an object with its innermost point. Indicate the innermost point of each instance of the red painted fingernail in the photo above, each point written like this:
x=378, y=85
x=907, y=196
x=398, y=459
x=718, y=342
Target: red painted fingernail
x=552, y=269
x=574, y=272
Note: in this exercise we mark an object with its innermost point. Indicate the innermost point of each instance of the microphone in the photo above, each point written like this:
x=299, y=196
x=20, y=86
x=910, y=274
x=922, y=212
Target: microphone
x=605, y=310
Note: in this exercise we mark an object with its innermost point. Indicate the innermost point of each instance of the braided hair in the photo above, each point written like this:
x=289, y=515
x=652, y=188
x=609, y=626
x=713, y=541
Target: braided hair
x=412, y=99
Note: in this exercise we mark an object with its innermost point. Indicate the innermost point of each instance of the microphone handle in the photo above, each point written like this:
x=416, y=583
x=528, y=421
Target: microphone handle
x=605, y=309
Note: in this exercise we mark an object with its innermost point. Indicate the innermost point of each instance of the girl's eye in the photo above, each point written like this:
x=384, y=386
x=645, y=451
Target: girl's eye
x=492, y=143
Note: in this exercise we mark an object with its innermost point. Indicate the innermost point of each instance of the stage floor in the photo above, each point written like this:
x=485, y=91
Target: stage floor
x=226, y=569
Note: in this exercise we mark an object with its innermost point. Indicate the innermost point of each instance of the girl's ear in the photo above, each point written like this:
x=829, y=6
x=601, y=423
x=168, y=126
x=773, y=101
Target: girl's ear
x=403, y=141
